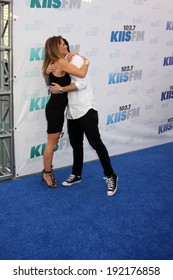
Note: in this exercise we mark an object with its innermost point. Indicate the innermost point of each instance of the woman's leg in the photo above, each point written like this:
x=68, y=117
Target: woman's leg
x=48, y=157
x=49, y=150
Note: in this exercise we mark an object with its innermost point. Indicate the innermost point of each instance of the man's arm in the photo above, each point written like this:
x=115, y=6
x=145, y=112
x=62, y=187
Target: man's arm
x=78, y=85
x=55, y=88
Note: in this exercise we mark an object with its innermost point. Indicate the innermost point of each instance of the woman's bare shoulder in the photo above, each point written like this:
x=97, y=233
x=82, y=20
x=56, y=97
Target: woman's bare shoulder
x=62, y=61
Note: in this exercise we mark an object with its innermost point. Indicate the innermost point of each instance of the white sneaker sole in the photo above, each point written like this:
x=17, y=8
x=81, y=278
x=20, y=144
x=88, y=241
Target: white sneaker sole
x=65, y=184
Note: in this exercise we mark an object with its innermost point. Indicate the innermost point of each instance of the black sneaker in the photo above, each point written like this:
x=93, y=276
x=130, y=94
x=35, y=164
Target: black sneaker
x=73, y=179
x=112, y=182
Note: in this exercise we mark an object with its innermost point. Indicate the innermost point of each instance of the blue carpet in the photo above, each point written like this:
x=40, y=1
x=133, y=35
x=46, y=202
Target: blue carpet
x=81, y=222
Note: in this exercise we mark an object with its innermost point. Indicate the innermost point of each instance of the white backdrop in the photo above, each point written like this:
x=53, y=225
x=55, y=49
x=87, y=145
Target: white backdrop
x=130, y=47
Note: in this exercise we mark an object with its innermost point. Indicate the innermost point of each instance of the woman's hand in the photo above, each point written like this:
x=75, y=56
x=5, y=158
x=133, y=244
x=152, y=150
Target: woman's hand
x=86, y=60
x=70, y=55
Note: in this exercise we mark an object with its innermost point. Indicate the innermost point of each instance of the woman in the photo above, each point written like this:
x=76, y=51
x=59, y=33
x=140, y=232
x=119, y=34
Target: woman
x=55, y=51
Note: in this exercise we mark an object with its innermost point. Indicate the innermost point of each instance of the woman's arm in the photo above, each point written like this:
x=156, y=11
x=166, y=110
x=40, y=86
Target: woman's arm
x=47, y=80
x=72, y=69
x=51, y=67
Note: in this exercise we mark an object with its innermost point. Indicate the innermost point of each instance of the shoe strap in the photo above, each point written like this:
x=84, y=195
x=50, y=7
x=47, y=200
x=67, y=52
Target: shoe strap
x=47, y=172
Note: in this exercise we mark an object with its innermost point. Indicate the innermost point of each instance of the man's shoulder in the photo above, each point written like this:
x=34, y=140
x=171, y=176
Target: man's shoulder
x=77, y=59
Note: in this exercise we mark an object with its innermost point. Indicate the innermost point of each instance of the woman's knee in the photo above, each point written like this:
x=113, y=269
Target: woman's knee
x=53, y=141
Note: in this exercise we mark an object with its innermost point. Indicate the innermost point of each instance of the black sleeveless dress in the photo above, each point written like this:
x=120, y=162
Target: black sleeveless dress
x=56, y=105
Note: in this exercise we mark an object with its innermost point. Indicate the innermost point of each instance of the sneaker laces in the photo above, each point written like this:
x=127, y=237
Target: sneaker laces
x=111, y=183
x=70, y=178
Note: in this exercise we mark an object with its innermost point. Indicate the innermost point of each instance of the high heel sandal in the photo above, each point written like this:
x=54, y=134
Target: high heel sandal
x=53, y=177
x=49, y=180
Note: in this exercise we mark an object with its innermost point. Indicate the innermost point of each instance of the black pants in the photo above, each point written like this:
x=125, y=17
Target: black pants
x=88, y=125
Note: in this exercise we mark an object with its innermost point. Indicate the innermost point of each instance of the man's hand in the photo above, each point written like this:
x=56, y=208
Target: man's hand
x=54, y=88
x=51, y=68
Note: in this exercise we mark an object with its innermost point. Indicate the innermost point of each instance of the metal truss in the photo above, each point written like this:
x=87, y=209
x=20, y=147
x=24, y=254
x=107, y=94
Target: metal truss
x=6, y=92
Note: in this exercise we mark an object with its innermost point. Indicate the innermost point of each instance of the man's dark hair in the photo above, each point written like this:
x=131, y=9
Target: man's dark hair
x=67, y=44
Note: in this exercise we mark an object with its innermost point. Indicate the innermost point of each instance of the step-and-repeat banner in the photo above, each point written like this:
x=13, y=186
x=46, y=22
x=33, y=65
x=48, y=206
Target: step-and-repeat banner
x=130, y=47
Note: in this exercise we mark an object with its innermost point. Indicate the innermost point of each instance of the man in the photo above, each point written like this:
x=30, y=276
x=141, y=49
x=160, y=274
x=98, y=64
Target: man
x=82, y=118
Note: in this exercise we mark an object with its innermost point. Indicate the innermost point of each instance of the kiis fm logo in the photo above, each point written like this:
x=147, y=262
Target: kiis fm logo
x=168, y=94
x=128, y=34
x=125, y=113
x=166, y=127
x=37, y=54
x=56, y=4
x=169, y=25
x=127, y=74
x=38, y=103
x=38, y=151
x=168, y=61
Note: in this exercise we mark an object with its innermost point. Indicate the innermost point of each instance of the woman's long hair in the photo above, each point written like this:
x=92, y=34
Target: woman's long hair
x=51, y=52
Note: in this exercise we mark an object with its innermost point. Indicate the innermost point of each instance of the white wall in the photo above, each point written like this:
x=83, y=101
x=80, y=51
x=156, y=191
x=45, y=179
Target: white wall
x=131, y=75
